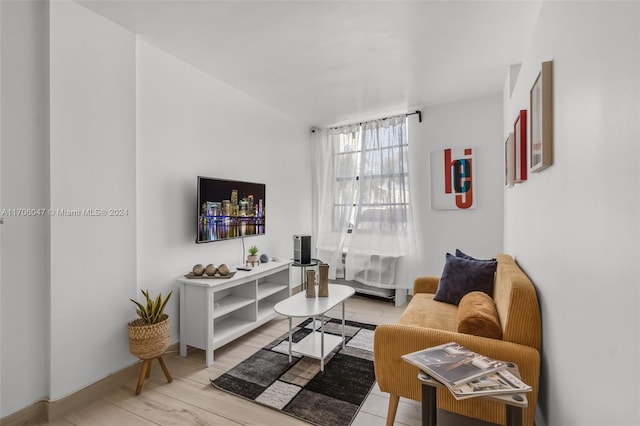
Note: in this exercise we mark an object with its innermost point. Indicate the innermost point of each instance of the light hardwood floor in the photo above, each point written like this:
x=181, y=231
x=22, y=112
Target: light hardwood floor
x=191, y=400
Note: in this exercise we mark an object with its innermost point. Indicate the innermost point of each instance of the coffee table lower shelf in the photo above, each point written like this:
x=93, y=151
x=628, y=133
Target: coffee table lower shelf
x=311, y=345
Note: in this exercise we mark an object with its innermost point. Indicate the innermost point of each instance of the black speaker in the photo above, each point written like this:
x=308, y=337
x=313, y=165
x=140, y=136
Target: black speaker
x=302, y=249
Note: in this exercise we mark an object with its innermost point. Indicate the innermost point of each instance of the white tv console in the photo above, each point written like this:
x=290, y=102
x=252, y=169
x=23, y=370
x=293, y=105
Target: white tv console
x=213, y=312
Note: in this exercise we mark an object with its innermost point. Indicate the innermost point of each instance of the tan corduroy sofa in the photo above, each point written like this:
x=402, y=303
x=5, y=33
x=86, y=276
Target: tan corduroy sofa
x=426, y=322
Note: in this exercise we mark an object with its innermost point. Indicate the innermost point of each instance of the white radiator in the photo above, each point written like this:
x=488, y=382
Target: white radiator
x=359, y=287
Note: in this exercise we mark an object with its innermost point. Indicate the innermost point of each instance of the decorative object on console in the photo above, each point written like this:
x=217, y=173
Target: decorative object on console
x=453, y=179
x=323, y=284
x=149, y=335
x=461, y=276
x=210, y=272
x=211, y=277
x=264, y=258
x=197, y=269
x=311, y=283
x=253, y=256
x=211, y=269
x=520, y=142
x=224, y=270
x=541, y=104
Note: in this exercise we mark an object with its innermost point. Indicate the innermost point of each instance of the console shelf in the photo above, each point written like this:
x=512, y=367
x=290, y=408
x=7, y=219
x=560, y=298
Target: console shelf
x=267, y=289
x=226, y=330
x=230, y=304
x=216, y=312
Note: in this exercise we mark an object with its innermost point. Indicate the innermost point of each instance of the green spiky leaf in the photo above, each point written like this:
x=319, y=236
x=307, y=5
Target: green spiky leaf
x=151, y=312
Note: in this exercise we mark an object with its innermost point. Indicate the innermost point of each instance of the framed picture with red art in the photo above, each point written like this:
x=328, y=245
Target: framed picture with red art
x=520, y=142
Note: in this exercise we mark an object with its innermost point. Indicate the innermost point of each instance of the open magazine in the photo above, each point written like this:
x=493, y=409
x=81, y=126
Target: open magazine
x=500, y=382
x=453, y=364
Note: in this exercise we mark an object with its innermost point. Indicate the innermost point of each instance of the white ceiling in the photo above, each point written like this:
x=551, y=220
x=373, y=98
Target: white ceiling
x=331, y=62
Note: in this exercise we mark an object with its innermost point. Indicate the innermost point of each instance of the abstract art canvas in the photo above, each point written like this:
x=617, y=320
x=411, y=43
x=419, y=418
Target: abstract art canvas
x=453, y=179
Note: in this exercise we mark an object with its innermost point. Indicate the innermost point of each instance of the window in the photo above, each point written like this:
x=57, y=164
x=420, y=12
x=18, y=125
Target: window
x=362, y=208
x=371, y=191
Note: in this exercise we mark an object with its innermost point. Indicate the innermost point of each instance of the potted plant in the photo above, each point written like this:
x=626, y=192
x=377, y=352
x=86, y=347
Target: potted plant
x=253, y=256
x=149, y=334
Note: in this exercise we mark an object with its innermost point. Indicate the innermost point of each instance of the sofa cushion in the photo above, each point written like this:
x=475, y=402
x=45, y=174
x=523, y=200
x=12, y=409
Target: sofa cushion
x=423, y=311
x=461, y=276
x=460, y=253
x=477, y=315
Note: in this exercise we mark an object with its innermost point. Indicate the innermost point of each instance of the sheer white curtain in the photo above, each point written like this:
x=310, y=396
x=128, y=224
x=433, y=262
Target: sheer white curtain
x=361, y=200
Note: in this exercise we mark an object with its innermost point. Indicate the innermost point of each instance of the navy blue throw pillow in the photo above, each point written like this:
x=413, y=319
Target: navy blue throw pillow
x=461, y=276
x=459, y=253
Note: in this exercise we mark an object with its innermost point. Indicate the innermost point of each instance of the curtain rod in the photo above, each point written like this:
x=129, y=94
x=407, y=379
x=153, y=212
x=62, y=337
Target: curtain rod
x=418, y=112
x=414, y=113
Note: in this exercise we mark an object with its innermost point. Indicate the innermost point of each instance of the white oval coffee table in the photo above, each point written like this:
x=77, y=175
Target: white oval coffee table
x=317, y=344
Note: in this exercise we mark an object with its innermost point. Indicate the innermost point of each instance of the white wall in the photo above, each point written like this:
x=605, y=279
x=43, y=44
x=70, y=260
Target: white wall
x=93, y=259
x=191, y=124
x=574, y=227
x=122, y=132
x=24, y=173
x=478, y=232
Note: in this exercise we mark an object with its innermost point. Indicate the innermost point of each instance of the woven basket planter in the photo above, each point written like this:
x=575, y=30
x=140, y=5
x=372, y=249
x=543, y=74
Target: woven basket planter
x=148, y=341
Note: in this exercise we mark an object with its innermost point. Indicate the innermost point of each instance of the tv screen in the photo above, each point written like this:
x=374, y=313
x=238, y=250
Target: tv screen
x=229, y=209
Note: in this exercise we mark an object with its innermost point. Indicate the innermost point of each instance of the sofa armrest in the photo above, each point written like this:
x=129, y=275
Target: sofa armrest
x=425, y=285
x=398, y=377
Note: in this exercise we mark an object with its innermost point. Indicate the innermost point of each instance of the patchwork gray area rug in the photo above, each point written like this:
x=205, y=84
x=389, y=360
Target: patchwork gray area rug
x=326, y=398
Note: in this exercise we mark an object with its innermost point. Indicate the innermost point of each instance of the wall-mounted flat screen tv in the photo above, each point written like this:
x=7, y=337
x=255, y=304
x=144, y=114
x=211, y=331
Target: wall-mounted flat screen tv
x=229, y=209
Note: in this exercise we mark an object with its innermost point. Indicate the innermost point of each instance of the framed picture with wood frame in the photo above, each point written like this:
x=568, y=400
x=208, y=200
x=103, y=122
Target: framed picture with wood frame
x=541, y=107
x=520, y=147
